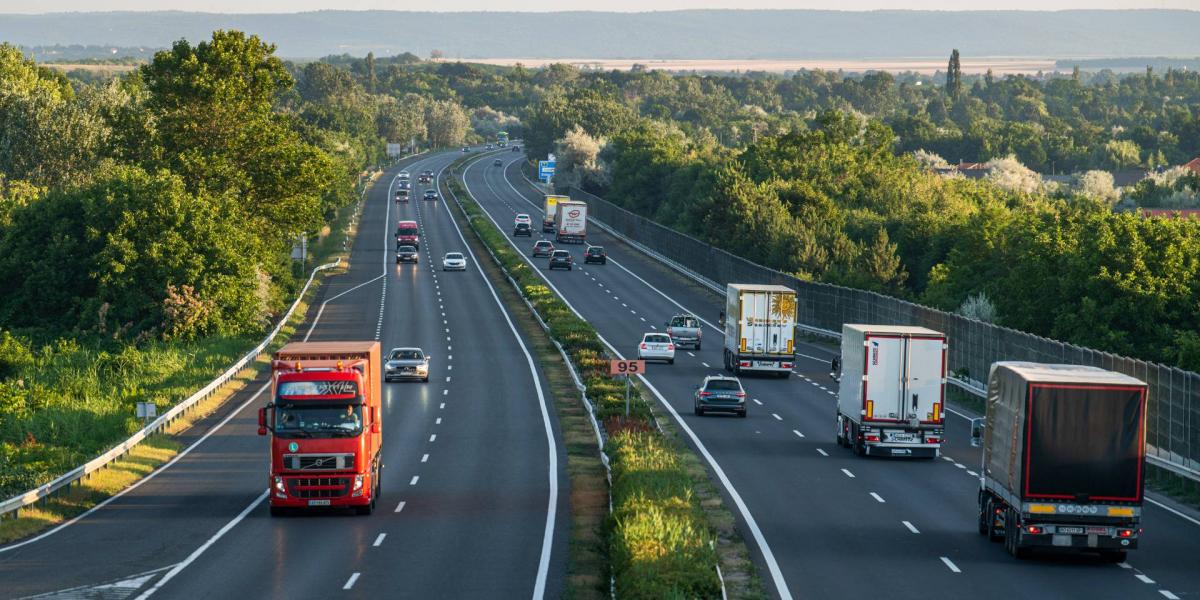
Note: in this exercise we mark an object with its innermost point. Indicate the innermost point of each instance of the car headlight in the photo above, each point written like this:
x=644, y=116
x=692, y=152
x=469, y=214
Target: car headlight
x=358, y=482
x=279, y=484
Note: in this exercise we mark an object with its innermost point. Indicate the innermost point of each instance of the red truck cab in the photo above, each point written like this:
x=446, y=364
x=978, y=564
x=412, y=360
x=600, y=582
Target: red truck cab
x=325, y=426
x=407, y=234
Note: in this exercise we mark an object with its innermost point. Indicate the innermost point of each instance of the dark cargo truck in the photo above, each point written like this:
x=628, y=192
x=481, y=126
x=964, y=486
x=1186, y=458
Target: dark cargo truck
x=1063, y=455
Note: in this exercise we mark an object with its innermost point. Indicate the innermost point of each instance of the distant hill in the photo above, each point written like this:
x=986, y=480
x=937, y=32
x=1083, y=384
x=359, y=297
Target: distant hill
x=740, y=34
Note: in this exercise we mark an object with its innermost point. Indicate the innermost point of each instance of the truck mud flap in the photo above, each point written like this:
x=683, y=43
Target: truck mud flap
x=901, y=452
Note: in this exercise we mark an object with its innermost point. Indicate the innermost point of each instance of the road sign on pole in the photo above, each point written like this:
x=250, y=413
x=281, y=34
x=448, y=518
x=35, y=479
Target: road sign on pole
x=627, y=368
x=545, y=170
x=394, y=150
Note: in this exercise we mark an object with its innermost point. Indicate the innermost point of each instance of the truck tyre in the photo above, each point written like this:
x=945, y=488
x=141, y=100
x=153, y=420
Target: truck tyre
x=278, y=511
x=697, y=345
x=1011, y=533
x=725, y=359
x=670, y=361
x=858, y=445
x=985, y=509
x=841, y=431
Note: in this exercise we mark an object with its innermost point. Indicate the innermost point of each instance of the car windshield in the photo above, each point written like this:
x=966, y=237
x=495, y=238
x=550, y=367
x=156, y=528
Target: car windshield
x=658, y=339
x=407, y=355
x=454, y=256
x=723, y=385
x=303, y=419
x=406, y=249
x=337, y=387
x=684, y=322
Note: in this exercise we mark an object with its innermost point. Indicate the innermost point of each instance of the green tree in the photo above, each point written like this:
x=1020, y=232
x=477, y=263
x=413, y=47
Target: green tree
x=954, y=75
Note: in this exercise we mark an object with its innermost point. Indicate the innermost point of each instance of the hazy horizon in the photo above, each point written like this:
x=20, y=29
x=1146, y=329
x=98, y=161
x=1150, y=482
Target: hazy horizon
x=551, y=6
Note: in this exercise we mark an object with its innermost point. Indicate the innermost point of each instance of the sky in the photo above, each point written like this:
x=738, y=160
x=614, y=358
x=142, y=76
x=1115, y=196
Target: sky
x=287, y=6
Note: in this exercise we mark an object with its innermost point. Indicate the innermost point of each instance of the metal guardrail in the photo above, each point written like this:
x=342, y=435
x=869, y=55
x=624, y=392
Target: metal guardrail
x=15, y=504
x=1173, y=419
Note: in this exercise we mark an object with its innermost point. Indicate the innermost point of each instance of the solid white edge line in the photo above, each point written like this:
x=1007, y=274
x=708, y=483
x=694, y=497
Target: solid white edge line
x=539, y=587
x=198, y=551
x=148, y=477
x=768, y=556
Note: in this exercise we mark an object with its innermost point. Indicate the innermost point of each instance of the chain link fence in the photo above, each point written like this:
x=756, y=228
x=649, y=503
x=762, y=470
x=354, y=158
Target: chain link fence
x=1173, y=419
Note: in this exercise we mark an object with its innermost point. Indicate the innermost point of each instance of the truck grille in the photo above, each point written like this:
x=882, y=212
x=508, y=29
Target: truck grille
x=318, y=487
x=318, y=462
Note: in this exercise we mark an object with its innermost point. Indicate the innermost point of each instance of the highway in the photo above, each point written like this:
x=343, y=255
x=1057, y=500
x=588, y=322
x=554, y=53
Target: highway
x=820, y=522
x=475, y=495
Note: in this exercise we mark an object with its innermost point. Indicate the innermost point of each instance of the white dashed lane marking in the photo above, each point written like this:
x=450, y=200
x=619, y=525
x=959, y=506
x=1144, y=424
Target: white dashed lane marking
x=910, y=527
x=848, y=473
x=950, y=565
x=379, y=540
x=350, y=582
x=822, y=452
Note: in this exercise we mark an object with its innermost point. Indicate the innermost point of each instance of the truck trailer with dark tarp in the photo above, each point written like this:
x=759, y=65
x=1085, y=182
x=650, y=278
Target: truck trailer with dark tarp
x=1063, y=459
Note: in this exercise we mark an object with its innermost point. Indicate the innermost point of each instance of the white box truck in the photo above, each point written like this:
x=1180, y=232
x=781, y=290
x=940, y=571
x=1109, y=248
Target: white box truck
x=570, y=222
x=760, y=328
x=549, y=208
x=893, y=390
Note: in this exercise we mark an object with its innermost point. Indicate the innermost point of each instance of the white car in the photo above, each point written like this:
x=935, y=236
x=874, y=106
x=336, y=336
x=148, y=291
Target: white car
x=403, y=176
x=454, y=261
x=657, y=346
x=522, y=218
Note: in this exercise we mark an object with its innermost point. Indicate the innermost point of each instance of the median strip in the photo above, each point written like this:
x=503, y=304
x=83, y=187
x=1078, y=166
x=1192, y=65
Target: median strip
x=661, y=539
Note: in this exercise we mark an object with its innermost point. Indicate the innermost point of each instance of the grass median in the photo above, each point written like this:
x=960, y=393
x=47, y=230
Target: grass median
x=660, y=537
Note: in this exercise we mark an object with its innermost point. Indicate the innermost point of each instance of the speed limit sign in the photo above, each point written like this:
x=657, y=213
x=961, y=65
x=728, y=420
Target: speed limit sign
x=626, y=367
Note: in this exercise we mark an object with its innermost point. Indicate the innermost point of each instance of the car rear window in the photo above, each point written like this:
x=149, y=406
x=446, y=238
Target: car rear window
x=658, y=339
x=406, y=249
x=561, y=254
x=684, y=322
x=723, y=385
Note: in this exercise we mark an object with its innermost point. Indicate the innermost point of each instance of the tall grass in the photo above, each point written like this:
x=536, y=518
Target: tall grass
x=63, y=403
x=660, y=543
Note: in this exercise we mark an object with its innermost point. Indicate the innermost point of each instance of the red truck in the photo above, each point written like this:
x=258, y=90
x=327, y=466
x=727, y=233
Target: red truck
x=324, y=421
x=408, y=234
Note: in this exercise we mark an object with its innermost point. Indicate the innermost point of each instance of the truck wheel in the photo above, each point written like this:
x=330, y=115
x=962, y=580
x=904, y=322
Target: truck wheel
x=993, y=532
x=364, y=510
x=278, y=511
x=1011, y=533
x=697, y=345
x=858, y=445
x=671, y=361
x=984, y=514
x=841, y=431
x=1113, y=556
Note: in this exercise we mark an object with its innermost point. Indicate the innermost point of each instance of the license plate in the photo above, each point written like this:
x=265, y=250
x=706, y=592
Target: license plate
x=1098, y=530
x=1071, y=530
x=318, y=503
x=903, y=437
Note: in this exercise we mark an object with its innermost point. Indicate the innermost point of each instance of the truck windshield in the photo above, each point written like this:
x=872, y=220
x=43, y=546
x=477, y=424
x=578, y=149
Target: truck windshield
x=407, y=231
x=318, y=420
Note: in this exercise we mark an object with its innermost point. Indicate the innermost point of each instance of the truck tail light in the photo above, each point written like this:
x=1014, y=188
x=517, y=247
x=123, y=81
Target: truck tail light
x=744, y=363
x=786, y=365
x=870, y=409
x=1125, y=533
x=871, y=437
x=1033, y=529
x=933, y=440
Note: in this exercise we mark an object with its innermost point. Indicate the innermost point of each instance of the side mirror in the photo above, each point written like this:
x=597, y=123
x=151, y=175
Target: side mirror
x=977, y=427
x=374, y=426
x=262, y=421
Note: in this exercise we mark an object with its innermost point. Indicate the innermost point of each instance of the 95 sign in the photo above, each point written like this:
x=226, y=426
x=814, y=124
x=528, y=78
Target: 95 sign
x=626, y=367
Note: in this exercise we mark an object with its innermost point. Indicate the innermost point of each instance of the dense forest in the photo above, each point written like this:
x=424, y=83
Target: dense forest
x=841, y=178
x=152, y=214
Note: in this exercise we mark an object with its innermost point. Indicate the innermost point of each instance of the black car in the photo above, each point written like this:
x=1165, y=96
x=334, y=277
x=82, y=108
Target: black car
x=516, y=148
x=497, y=163
x=522, y=229
x=561, y=259
x=595, y=254
x=406, y=254
x=719, y=393
x=431, y=195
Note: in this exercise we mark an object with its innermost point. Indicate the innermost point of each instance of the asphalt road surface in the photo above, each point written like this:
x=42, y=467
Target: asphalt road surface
x=474, y=499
